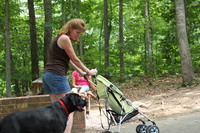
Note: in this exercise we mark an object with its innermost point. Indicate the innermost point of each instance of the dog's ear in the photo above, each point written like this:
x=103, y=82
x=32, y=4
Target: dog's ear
x=73, y=97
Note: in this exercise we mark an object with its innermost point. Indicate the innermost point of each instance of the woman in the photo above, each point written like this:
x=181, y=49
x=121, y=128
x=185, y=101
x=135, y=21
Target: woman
x=61, y=54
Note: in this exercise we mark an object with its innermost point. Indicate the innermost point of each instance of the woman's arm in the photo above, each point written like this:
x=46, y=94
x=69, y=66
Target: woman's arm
x=77, y=68
x=64, y=42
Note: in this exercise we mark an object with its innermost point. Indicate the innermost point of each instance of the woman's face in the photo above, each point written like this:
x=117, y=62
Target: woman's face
x=74, y=34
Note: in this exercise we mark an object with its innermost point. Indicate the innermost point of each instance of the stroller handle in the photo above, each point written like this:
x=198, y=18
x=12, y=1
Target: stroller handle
x=90, y=81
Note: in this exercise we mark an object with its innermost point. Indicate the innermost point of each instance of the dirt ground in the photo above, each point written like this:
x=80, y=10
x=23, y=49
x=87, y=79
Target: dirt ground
x=167, y=97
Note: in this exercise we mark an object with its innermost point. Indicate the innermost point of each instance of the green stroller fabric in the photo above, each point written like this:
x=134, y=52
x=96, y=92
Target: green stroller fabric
x=118, y=110
x=115, y=98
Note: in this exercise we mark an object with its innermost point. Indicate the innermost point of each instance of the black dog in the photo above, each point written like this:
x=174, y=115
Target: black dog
x=47, y=119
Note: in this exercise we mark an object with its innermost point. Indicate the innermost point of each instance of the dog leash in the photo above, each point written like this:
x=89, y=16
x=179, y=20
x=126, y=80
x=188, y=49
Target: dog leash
x=64, y=106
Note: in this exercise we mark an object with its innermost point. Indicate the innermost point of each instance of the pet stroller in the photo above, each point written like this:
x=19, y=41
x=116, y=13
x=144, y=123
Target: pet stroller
x=118, y=110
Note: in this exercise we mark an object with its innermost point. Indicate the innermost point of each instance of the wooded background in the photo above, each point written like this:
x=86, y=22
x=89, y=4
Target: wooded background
x=124, y=38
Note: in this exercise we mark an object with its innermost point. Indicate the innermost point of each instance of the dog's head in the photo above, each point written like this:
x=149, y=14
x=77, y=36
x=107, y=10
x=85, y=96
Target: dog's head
x=74, y=101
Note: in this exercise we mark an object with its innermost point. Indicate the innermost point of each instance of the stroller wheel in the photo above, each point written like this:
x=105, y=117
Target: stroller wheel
x=148, y=128
x=141, y=128
x=152, y=129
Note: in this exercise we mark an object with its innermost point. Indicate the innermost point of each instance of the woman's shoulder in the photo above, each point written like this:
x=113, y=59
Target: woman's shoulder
x=63, y=40
x=64, y=37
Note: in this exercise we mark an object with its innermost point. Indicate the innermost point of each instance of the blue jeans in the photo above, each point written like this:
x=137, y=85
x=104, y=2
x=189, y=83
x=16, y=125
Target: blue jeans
x=54, y=83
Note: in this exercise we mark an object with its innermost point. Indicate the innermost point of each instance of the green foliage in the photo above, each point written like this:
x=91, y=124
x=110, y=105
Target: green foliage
x=163, y=34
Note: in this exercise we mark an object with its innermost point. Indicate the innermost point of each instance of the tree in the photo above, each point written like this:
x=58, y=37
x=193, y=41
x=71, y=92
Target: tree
x=33, y=36
x=63, y=12
x=147, y=39
x=81, y=46
x=8, y=57
x=186, y=63
x=106, y=34
x=47, y=27
x=121, y=40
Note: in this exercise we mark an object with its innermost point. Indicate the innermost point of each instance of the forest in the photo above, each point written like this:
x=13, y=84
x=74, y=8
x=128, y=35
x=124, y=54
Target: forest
x=125, y=39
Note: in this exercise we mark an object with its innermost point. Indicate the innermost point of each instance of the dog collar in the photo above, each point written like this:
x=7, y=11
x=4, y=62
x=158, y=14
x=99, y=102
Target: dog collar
x=63, y=105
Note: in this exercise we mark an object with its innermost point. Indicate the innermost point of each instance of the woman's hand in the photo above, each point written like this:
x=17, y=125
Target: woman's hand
x=92, y=72
x=82, y=73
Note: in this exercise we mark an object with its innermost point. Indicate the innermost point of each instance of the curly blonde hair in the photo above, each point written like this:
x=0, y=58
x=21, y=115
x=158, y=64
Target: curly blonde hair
x=76, y=23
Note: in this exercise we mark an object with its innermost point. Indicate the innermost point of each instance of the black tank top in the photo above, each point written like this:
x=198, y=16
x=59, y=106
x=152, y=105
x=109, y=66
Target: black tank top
x=58, y=60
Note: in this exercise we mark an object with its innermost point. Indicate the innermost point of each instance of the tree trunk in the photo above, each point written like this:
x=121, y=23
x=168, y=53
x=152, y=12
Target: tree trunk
x=100, y=42
x=186, y=63
x=71, y=9
x=81, y=45
x=33, y=35
x=63, y=12
x=106, y=34
x=121, y=40
x=78, y=8
x=8, y=57
x=149, y=69
x=48, y=27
